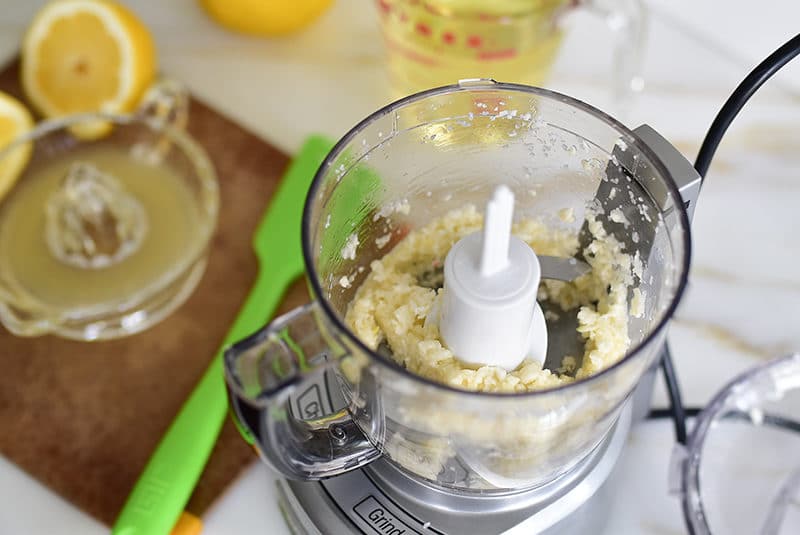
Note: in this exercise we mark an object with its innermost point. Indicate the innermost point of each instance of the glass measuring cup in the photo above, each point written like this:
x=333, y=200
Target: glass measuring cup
x=103, y=237
x=398, y=169
x=433, y=42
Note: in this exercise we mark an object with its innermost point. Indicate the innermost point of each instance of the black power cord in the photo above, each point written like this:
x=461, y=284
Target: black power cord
x=676, y=409
x=773, y=420
x=746, y=89
x=739, y=98
x=656, y=414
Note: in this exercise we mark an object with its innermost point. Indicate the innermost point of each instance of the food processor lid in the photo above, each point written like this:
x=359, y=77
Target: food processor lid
x=740, y=470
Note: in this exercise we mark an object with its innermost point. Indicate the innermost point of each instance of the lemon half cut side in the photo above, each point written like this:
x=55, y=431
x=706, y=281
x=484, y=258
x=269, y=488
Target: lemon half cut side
x=15, y=120
x=86, y=56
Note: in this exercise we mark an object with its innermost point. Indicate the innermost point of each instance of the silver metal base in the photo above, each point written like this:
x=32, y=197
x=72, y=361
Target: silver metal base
x=382, y=500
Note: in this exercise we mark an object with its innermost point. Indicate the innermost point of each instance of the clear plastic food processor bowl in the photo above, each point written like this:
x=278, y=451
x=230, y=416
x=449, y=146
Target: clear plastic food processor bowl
x=411, y=162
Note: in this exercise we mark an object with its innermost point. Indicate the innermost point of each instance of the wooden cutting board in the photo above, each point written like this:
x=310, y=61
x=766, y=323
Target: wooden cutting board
x=83, y=418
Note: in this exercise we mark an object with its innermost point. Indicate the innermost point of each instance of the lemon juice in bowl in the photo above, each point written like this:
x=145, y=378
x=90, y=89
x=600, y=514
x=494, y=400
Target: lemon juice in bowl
x=34, y=261
x=103, y=238
x=107, y=207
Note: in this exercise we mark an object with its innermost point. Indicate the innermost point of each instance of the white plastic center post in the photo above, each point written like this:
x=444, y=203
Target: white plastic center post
x=489, y=314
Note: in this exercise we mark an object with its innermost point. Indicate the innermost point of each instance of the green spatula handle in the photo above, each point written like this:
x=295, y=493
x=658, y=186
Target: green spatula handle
x=164, y=487
x=171, y=474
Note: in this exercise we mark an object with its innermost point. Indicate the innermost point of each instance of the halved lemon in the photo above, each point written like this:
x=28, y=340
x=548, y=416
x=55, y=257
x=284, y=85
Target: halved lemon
x=15, y=120
x=86, y=56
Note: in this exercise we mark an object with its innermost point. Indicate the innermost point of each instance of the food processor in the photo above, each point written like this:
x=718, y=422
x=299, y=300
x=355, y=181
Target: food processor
x=364, y=445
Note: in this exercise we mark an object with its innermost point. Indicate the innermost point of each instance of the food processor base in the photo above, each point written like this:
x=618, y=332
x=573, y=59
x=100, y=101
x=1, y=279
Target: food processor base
x=379, y=499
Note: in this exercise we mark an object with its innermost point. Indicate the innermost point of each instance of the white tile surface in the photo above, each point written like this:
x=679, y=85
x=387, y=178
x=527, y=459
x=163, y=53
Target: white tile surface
x=743, y=302
x=30, y=508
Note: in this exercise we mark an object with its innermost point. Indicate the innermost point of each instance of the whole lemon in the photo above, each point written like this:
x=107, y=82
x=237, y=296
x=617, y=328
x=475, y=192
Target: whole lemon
x=265, y=17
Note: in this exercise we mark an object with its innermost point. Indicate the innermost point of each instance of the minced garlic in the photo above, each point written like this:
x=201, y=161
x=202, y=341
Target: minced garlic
x=391, y=306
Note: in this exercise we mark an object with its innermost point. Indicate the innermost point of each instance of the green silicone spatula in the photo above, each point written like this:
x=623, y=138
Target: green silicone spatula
x=167, y=482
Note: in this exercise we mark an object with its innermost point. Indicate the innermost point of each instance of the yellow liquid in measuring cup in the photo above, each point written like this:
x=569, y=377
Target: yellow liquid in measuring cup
x=169, y=245
x=438, y=42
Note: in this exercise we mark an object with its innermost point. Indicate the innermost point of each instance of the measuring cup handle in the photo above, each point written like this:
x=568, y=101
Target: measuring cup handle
x=282, y=388
x=627, y=20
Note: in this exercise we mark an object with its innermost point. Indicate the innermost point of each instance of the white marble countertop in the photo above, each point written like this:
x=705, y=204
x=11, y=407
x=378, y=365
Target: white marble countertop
x=744, y=300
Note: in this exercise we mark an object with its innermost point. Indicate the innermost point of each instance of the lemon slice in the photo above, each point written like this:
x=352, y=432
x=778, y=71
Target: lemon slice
x=86, y=56
x=15, y=120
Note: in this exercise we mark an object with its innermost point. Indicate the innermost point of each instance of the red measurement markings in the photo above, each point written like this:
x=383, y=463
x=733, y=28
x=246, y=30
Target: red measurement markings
x=474, y=41
x=411, y=54
x=489, y=55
